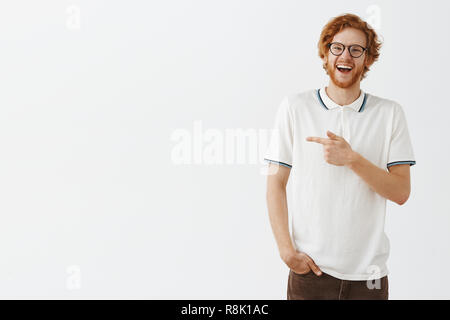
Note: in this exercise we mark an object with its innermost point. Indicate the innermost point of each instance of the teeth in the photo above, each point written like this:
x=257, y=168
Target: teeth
x=344, y=67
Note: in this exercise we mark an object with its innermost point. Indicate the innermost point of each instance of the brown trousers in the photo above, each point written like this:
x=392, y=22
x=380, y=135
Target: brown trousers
x=309, y=286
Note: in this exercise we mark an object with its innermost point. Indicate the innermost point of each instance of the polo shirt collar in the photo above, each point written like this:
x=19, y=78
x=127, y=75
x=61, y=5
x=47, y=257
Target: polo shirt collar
x=327, y=103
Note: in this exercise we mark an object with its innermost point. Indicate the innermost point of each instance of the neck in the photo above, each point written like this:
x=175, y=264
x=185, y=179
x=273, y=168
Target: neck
x=343, y=96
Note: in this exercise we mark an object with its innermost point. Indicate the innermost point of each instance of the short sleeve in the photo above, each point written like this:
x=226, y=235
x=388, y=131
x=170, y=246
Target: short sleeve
x=281, y=140
x=400, y=148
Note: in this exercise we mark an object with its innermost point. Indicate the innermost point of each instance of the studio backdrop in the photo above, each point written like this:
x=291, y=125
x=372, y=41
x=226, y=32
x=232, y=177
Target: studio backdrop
x=132, y=136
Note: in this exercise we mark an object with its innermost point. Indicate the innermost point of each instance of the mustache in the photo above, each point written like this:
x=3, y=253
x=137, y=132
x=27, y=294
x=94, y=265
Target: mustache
x=345, y=63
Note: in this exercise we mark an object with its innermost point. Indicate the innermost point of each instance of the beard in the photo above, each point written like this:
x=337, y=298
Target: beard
x=356, y=76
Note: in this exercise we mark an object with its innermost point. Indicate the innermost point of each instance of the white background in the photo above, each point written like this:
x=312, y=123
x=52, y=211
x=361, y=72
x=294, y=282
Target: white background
x=92, y=204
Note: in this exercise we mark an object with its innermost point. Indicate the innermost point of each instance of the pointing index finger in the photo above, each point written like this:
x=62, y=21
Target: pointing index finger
x=316, y=139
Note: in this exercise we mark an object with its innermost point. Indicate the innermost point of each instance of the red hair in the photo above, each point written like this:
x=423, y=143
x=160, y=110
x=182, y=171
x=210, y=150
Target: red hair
x=337, y=24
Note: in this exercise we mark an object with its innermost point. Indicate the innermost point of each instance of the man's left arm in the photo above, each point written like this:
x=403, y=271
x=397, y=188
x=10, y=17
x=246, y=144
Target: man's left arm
x=394, y=185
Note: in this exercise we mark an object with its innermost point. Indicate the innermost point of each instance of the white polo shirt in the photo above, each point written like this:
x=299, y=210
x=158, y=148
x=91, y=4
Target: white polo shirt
x=337, y=219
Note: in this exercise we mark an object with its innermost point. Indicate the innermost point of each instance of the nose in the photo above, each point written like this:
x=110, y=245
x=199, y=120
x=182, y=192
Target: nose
x=346, y=55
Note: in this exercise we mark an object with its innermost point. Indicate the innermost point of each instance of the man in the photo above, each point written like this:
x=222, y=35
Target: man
x=348, y=151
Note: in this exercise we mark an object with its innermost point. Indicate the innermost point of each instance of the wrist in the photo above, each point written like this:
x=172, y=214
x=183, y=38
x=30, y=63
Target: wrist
x=287, y=253
x=353, y=159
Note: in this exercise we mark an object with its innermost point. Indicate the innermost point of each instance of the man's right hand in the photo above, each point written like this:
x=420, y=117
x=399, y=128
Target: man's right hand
x=301, y=263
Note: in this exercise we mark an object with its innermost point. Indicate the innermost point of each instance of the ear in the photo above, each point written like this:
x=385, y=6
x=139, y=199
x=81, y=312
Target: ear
x=325, y=58
x=367, y=62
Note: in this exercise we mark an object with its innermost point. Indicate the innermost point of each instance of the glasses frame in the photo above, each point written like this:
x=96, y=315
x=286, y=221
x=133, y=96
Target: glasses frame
x=349, y=48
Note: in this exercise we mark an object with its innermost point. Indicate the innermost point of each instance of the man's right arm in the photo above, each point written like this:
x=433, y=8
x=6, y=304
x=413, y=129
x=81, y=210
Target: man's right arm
x=278, y=210
x=277, y=179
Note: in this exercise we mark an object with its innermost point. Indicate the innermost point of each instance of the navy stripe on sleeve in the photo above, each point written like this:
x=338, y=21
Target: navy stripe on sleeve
x=411, y=163
x=279, y=162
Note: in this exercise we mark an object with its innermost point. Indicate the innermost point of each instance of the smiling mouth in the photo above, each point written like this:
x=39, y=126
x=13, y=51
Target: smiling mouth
x=344, y=69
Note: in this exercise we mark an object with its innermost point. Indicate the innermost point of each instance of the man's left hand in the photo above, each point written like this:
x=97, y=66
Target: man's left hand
x=336, y=150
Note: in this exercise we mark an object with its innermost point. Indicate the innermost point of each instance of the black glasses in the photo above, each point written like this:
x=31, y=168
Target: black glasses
x=338, y=48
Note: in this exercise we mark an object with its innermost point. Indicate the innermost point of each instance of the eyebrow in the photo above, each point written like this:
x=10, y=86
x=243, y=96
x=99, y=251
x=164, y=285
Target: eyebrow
x=349, y=44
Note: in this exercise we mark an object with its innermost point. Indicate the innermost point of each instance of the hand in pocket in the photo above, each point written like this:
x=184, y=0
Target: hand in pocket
x=301, y=263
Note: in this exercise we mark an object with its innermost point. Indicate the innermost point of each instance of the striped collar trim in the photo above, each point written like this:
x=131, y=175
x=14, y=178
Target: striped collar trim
x=325, y=101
